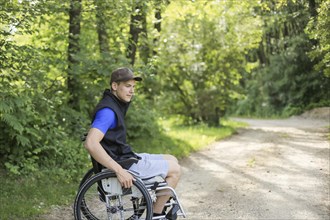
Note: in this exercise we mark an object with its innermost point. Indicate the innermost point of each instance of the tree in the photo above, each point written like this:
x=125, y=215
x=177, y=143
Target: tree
x=203, y=55
x=32, y=115
x=103, y=37
x=137, y=26
x=285, y=79
x=318, y=30
x=73, y=51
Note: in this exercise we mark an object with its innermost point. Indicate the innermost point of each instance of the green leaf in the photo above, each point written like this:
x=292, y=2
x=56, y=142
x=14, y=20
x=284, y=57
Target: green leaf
x=12, y=121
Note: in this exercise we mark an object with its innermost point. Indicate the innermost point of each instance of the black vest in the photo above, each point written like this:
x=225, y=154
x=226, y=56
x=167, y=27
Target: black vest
x=114, y=140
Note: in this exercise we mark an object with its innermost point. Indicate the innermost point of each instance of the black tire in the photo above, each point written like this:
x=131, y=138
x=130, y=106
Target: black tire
x=87, y=175
x=84, y=206
x=93, y=202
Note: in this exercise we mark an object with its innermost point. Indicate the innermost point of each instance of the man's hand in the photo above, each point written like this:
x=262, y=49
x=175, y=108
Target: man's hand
x=125, y=178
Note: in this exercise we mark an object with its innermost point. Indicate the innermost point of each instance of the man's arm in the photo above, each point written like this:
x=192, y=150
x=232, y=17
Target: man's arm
x=95, y=149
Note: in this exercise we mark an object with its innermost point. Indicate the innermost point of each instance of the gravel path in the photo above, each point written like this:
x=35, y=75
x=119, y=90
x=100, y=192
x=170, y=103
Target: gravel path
x=274, y=169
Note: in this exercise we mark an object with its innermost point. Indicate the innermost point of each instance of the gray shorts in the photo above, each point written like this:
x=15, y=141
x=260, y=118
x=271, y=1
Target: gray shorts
x=150, y=165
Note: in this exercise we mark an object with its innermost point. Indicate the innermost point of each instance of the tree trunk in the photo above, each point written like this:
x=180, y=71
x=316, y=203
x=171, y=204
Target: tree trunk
x=313, y=12
x=101, y=31
x=261, y=53
x=73, y=50
x=158, y=27
x=158, y=23
x=312, y=8
x=144, y=48
x=135, y=29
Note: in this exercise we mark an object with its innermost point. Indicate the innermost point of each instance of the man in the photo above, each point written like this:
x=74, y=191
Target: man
x=106, y=139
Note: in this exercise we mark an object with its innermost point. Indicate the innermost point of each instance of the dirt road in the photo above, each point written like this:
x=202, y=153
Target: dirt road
x=274, y=169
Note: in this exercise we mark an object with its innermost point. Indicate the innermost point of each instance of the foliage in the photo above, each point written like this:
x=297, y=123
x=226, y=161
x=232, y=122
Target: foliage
x=297, y=85
x=285, y=82
x=318, y=29
x=141, y=120
x=203, y=55
x=33, y=119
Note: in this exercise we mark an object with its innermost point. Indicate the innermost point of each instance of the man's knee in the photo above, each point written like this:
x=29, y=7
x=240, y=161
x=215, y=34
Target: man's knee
x=174, y=169
x=171, y=158
x=174, y=173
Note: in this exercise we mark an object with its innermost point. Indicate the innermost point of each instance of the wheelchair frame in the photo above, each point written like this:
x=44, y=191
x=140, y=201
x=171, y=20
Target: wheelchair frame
x=112, y=199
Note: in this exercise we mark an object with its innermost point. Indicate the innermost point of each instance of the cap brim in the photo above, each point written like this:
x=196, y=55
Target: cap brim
x=137, y=78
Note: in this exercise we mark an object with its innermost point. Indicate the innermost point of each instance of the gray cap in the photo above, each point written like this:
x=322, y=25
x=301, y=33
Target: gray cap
x=123, y=74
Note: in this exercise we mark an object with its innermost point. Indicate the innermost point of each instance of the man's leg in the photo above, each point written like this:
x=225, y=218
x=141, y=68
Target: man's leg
x=172, y=180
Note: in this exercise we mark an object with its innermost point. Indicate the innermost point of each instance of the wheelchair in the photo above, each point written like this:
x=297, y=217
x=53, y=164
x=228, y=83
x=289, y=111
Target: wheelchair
x=100, y=196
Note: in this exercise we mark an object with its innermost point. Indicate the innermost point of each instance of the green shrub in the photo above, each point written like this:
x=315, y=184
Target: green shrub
x=291, y=110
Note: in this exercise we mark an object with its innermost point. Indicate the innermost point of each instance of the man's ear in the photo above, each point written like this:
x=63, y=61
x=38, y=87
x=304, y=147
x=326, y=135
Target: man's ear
x=114, y=86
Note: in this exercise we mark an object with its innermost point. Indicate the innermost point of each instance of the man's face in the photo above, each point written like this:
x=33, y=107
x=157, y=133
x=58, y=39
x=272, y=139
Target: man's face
x=124, y=90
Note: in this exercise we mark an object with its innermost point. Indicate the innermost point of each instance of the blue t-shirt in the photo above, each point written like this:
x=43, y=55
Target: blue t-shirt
x=104, y=120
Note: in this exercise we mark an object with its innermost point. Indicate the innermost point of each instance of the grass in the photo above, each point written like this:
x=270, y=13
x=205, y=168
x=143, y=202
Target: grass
x=198, y=136
x=26, y=197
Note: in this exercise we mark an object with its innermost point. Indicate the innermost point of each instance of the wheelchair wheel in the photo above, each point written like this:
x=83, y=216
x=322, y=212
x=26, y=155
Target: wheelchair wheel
x=101, y=197
x=87, y=175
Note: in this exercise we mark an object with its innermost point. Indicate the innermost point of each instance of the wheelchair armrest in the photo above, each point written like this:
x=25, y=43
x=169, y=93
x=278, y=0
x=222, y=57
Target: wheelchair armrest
x=127, y=163
x=153, y=180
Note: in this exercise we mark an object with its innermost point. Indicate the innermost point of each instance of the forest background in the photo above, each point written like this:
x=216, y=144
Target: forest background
x=201, y=61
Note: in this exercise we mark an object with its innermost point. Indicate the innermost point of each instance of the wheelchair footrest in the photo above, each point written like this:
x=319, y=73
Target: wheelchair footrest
x=172, y=213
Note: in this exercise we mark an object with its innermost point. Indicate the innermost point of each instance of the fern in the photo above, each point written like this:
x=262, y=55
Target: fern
x=12, y=121
x=22, y=140
x=5, y=108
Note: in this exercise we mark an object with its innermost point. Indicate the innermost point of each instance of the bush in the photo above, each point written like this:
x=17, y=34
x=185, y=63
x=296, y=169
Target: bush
x=291, y=110
x=141, y=120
